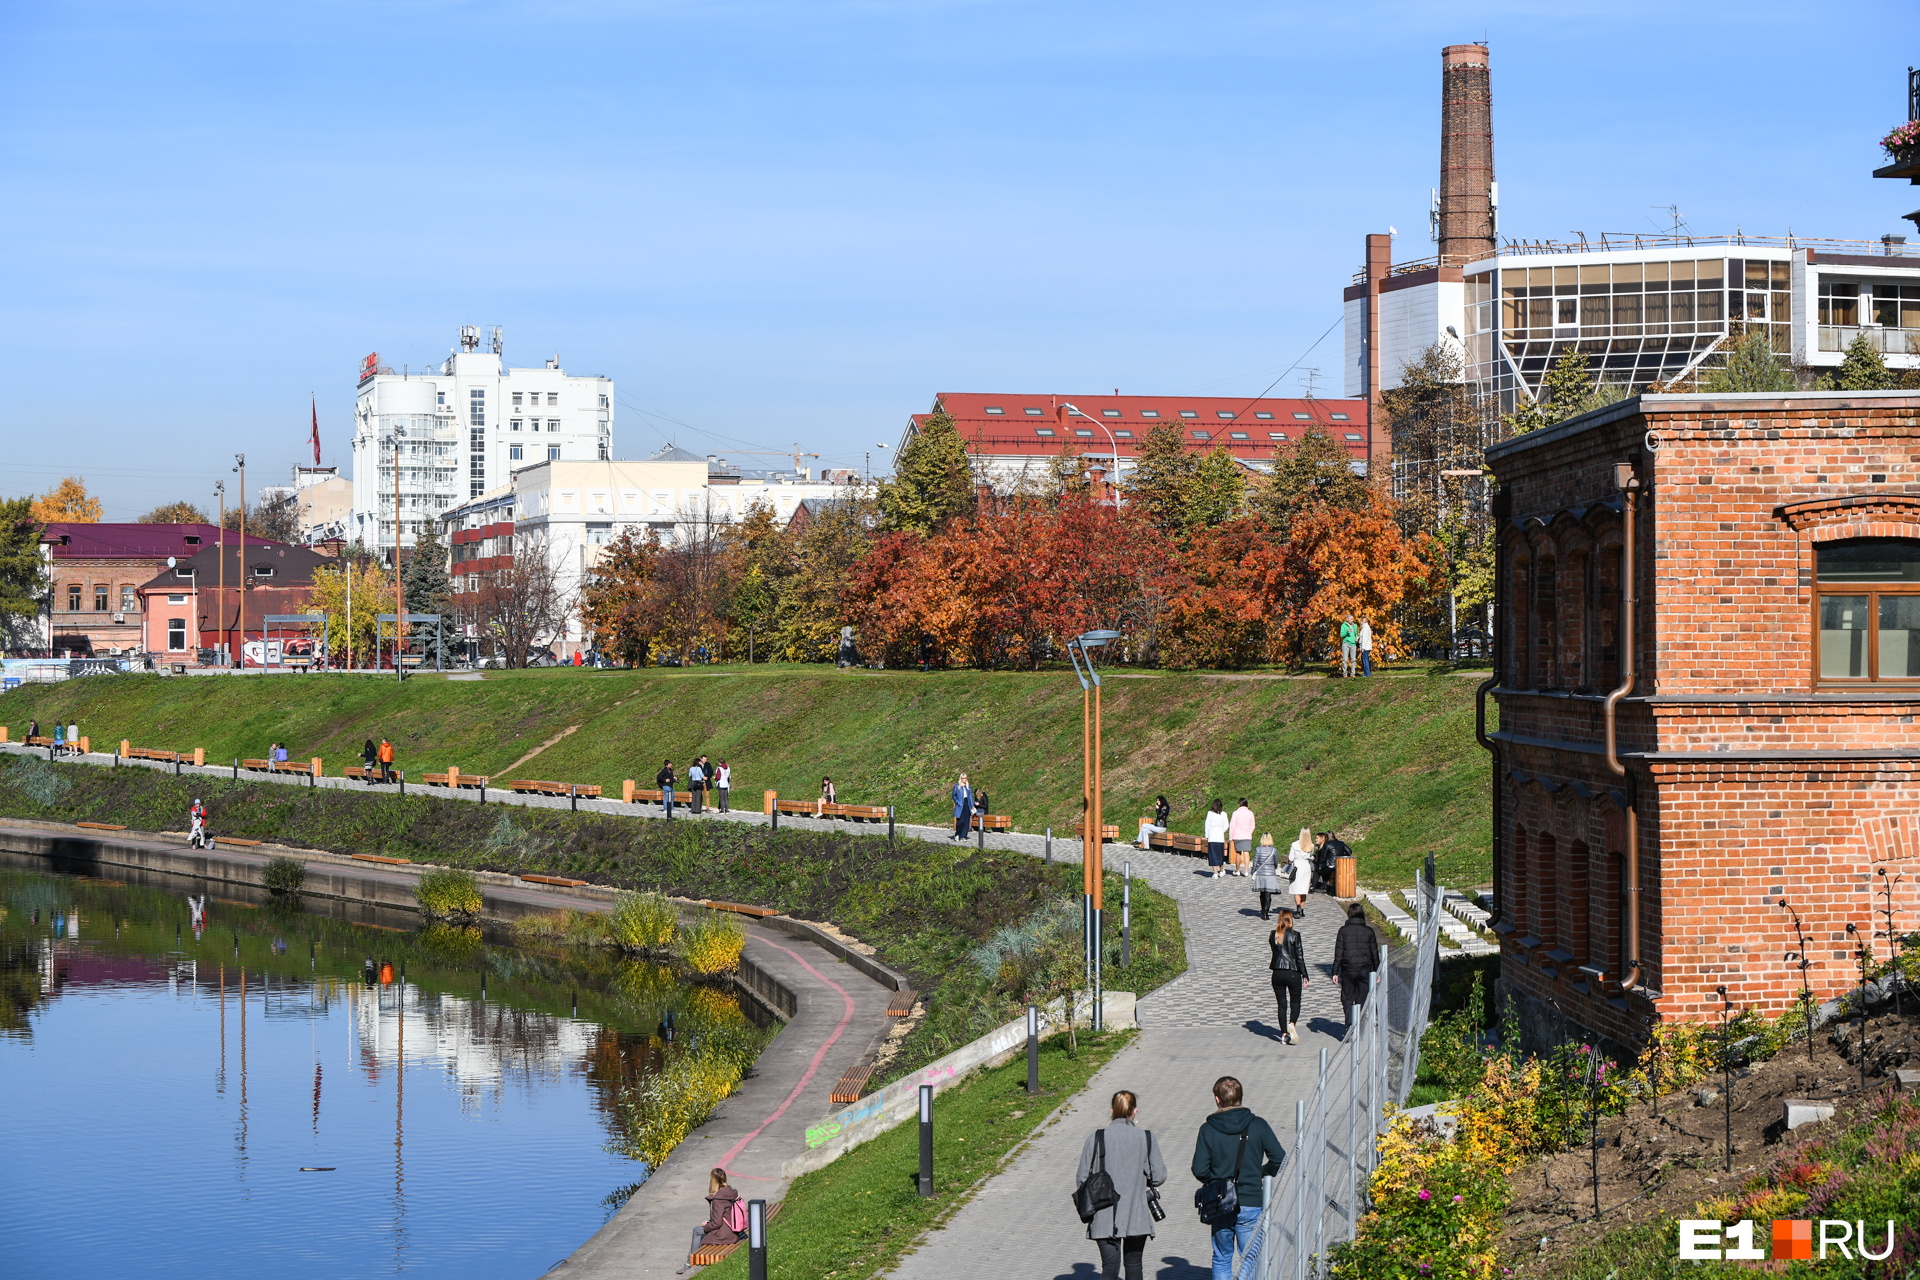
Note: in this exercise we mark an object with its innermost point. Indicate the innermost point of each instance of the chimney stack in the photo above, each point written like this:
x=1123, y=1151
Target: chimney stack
x=1465, y=210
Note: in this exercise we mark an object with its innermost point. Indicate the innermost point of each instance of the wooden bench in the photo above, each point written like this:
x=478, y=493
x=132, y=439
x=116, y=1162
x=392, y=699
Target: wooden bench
x=295, y=766
x=381, y=857
x=258, y=766
x=710, y=1254
x=364, y=774
x=740, y=908
x=993, y=821
x=146, y=753
x=902, y=1003
x=462, y=780
x=100, y=826
x=559, y=880
x=585, y=790
x=850, y=1084
x=1107, y=830
x=1177, y=842
x=814, y=809
x=654, y=796
x=41, y=742
x=248, y=844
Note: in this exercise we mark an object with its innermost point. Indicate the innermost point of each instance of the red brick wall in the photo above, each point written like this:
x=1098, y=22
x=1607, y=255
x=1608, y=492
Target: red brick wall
x=1753, y=782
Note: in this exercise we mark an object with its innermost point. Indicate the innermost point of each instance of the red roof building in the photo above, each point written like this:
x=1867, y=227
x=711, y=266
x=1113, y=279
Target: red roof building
x=1021, y=433
x=96, y=571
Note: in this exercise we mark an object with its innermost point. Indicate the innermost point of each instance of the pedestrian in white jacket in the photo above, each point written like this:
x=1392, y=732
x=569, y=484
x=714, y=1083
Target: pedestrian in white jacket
x=1300, y=871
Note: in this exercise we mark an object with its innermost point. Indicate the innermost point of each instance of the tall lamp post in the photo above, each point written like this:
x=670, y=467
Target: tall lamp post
x=1066, y=407
x=240, y=465
x=1092, y=858
x=882, y=445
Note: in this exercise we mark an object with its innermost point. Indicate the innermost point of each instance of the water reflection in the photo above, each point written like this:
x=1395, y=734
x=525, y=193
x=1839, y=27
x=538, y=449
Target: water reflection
x=369, y=1106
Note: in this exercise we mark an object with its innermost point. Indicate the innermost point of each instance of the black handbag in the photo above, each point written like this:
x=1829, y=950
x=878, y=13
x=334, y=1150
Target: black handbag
x=1155, y=1209
x=1218, y=1199
x=1098, y=1191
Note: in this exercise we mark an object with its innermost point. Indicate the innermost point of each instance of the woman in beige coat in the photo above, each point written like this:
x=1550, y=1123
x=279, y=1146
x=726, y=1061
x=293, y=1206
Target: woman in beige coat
x=1132, y=1159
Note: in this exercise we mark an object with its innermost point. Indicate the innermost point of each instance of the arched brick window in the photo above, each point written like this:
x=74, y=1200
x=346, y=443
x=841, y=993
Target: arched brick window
x=1605, y=615
x=1514, y=900
x=1516, y=619
x=1546, y=627
x=1546, y=889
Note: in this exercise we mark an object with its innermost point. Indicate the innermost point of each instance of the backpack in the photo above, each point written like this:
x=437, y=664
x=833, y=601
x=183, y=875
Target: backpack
x=737, y=1217
x=1218, y=1199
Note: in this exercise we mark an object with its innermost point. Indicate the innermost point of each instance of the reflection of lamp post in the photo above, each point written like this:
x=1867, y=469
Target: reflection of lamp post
x=1079, y=649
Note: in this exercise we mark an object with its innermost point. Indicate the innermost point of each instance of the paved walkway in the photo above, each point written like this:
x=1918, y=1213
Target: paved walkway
x=1219, y=1018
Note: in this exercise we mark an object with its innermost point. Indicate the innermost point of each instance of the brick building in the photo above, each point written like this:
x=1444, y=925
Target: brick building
x=213, y=600
x=95, y=572
x=1763, y=713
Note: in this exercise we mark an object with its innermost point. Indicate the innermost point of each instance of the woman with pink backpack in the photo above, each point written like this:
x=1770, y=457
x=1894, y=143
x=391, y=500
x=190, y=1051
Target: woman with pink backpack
x=726, y=1215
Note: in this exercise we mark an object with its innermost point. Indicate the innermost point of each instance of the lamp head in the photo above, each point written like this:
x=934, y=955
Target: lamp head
x=1097, y=637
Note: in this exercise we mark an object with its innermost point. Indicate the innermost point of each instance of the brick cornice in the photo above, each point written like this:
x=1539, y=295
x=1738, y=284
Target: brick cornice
x=1856, y=515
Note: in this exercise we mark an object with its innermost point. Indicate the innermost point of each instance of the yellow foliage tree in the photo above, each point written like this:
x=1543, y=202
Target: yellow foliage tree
x=372, y=593
x=69, y=502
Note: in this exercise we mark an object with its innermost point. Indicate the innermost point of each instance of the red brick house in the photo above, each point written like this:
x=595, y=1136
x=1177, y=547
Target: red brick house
x=198, y=604
x=1761, y=714
x=95, y=571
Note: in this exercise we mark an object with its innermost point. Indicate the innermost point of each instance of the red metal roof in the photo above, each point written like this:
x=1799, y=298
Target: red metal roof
x=1005, y=424
x=135, y=541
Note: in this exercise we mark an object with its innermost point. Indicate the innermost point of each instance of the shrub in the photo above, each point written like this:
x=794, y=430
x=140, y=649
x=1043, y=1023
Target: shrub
x=657, y=1113
x=285, y=875
x=445, y=893
x=575, y=928
x=713, y=943
x=643, y=922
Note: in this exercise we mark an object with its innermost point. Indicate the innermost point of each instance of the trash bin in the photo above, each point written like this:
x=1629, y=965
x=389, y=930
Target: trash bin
x=1346, y=877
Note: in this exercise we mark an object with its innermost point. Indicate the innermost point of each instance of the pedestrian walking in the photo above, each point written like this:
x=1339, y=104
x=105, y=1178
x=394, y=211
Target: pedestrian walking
x=1216, y=837
x=386, y=760
x=1240, y=834
x=1356, y=954
x=1300, y=871
x=1128, y=1156
x=664, y=780
x=1156, y=825
x=369, y=758
x=726, y=1215
x=1266, y=875
x=962, y=809
x=1366, y=647
x=723, y=781
x=696, y=785
x=1238, y=1147
x=1349, y=646
x=1288, y=965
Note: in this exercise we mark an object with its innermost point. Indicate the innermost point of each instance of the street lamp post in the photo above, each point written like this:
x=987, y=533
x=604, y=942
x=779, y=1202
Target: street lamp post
x=882, y=445
x=1068, y=405
x=1092, y=859
x=240, y=465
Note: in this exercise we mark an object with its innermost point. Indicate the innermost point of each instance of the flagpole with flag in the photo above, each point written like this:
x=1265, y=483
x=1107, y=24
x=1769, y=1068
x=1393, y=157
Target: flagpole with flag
x=316, y=430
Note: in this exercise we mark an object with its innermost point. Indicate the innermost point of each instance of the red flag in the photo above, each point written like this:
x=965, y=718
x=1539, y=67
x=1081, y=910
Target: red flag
x=316, y=432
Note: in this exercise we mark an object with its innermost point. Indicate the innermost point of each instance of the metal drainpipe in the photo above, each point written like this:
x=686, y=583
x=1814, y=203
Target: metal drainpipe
x=1628, y=484
x=1480, y=722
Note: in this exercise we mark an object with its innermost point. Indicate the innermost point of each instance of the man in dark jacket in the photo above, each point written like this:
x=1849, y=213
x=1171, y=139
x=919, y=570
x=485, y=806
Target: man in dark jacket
x=664, y=780
x=1356, y=954
x=1329, y=848
x=1220, y=1153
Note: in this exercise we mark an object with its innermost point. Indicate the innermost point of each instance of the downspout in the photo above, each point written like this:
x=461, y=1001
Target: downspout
x=1628, y=484
x=1491, y=747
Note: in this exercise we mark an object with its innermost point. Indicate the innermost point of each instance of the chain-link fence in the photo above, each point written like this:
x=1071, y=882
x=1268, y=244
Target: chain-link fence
x=1317, y=1197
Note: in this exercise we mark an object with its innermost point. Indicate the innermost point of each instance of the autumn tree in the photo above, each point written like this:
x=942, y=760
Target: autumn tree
x=275, y=518
x=809, y=613
x=1341, y=561
x=932, y=478
x=520, y=607
x=68, y=502
x=1163, y=474
x=619, y=602
x=350, y=626
x=175, y=513
x=1314, y=471
x=24, y=583
x=1217, y=491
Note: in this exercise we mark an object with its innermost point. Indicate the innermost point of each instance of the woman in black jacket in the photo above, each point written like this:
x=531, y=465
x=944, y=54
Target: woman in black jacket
x=1289, y=965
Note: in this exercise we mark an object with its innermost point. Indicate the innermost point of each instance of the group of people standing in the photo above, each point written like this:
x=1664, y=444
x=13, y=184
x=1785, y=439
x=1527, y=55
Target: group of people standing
x=1356, y=646
x=378, y=761
x=703, y=777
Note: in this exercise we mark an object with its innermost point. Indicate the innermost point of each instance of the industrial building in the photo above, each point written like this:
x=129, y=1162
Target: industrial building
x=461, y=429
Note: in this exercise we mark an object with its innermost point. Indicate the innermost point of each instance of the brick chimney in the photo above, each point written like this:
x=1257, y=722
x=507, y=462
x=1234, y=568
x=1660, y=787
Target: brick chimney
x=1466, y=212
x=1379, y=265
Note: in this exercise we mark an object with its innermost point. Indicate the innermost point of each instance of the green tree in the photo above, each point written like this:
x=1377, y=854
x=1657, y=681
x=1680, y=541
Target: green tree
x=1162, y=478
x=1862, y=369
x=1751, y=365
x=175, y=513
x=752, y=611
x=932, y=478
x=23, y=574
x=1315, y=471
x=1566, y=392
x=424, y=583
x=1217, y=492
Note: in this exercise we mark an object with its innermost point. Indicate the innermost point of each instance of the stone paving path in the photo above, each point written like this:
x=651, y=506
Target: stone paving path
x=1219, y=1018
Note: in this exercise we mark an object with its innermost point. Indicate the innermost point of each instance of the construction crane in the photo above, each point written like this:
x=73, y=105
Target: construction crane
x=796, y=454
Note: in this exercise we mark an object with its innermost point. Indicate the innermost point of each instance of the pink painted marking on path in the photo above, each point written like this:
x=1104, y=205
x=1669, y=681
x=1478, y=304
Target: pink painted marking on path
x=846, y=1016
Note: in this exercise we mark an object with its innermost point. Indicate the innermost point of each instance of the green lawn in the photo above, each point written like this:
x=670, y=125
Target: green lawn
x=857, y=1216
x=1390, y=763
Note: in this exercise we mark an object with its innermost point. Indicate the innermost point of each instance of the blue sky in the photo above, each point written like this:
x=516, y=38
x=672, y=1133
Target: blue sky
x=774, y=223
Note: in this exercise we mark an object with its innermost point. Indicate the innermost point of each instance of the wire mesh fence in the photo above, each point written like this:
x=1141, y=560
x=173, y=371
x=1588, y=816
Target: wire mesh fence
x=1317, y=1198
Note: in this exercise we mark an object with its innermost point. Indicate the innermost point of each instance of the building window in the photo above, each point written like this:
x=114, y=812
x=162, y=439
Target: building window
x=477, y=408
x=1188, y=413
x=1081, y=431
x=994, y=408
x=1868, y=609
x=100, y=601
x=1355, y=435
x=1109, y=413
x=553, y=453
x=179, y=599
x=553, y=424
x=603, y=400
x=1043, y=431
x=1276, y=435
x=1033, y=413
x=1303, y=417
x=129, y=603
x=1203, y=435
x=513, y=424
x=1223, y=414
x=1149, y=413
x=73, y=597
x=1262, y=414
x=516, y=399
x=1237, y=435
x=1123, y=434
x=513, y=452
x=176, y=634
x=1338, y=417
x=443, y=397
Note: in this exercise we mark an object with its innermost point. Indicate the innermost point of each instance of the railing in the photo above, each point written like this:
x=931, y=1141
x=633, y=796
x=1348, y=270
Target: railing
x=1619, y=241
x=1316, y=1200
x=1886, y=340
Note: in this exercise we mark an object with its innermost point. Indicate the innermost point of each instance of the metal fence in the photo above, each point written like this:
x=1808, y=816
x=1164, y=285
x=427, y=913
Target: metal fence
x=1317, y=1197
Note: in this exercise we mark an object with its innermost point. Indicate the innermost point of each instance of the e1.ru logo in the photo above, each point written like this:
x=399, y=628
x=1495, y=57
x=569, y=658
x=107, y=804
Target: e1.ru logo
x=1793, y=1240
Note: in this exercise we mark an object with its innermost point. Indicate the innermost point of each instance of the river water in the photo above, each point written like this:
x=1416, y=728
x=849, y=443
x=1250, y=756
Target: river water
x=289, y=1094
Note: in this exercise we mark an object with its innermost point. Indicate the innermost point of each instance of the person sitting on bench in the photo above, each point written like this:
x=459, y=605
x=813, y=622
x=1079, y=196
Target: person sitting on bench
x=726, y=1215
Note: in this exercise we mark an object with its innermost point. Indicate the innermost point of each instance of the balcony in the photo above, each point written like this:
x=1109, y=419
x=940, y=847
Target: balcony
x=1885, y=339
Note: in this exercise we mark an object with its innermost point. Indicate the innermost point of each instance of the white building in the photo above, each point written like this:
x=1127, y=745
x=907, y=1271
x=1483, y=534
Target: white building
x=463, y=429
x=578, y=507
x=1642, y=308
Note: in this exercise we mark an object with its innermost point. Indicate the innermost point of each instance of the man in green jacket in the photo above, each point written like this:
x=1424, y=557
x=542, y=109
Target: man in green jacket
x=1220, y=1153
x=1349, y=646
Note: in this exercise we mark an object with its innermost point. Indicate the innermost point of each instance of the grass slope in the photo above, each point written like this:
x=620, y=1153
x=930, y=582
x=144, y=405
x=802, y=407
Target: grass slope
x=1391, y=763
